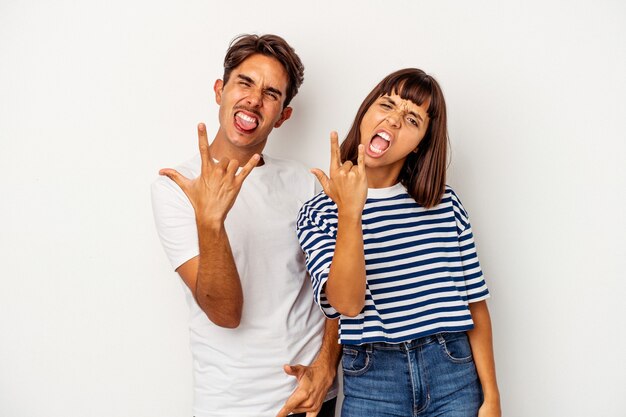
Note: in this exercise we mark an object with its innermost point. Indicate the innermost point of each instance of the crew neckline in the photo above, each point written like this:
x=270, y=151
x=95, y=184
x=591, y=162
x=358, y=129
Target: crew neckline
x=386, y=192
x=264, y=157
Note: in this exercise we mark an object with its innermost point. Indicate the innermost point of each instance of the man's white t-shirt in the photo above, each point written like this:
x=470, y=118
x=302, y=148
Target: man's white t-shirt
x=239, y=372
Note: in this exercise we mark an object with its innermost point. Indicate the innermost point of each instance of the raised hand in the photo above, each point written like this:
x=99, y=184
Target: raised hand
x=213, y=193
x=347, y=185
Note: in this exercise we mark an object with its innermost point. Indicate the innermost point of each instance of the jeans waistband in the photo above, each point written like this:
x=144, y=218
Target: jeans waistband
x=409, y=344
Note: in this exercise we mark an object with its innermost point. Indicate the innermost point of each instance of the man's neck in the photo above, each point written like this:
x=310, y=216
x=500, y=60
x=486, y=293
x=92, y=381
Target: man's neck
x=222, y=148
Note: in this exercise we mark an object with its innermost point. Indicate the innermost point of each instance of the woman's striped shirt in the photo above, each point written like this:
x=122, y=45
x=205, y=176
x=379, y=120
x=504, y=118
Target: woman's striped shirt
x=421, y=265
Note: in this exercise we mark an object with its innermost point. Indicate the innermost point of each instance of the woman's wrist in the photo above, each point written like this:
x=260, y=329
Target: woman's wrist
x=349, y=214
x=491, y=396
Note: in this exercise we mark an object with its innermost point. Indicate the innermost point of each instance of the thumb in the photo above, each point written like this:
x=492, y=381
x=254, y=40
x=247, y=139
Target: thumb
x=175, y=176
x=293, y=370
x=322, y=178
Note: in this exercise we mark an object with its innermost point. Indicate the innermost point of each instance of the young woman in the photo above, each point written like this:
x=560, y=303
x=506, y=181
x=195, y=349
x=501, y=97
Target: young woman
x=390, y=251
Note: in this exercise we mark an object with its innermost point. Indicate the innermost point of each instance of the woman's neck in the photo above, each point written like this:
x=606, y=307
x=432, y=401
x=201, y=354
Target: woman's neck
x=383, y=177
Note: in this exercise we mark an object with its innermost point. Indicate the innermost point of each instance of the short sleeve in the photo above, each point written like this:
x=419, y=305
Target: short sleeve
x=175, y=221
x=473, y=287
x=317, y=233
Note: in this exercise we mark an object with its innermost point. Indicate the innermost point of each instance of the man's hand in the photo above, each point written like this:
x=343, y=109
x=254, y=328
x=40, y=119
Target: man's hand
x=313, y=384
x=213, y=193
x=347, y=185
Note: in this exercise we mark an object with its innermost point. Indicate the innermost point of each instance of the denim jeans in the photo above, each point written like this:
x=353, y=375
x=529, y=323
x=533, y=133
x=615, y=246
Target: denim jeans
x=430, y=376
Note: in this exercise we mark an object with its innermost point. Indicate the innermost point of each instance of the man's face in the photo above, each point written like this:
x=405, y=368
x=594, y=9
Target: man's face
x=251, y=102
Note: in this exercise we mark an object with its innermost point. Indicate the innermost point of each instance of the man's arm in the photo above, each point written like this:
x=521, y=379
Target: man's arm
x=213, y=279
x=482, y=349
x=212, y=276
x=314, y=380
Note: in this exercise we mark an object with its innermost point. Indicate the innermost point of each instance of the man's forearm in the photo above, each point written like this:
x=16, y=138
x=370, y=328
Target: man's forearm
x=218, y=287
x=330, y=350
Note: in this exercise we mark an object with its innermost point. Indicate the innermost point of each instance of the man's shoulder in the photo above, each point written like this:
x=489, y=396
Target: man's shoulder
x=293, y=175
x=162, y=186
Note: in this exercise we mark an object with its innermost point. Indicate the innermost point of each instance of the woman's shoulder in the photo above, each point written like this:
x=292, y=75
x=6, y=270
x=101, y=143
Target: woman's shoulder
x=320, y=203
x=450, y=195
x=319, y=209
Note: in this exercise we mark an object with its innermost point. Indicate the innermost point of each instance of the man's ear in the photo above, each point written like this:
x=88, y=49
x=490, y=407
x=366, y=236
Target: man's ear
x=286, y=114
x=218, y=87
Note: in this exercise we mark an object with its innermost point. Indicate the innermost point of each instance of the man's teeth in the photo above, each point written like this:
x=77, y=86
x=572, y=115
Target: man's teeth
x=246, y=117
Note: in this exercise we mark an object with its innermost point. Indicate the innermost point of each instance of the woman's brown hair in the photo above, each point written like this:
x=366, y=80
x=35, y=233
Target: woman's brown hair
x=424, y=170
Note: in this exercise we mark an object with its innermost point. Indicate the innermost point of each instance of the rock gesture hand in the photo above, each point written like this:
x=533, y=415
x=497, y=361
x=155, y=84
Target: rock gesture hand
x=347, y=185
x=213, y=193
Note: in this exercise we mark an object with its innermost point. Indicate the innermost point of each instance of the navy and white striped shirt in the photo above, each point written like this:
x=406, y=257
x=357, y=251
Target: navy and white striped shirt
x=421, y=265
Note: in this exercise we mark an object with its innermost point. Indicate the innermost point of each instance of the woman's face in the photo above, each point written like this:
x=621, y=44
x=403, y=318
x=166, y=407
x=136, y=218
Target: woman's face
x=391, y=129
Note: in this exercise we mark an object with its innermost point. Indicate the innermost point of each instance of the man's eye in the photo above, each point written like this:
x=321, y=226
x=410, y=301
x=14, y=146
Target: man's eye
x=246, y=84
x=271, y=95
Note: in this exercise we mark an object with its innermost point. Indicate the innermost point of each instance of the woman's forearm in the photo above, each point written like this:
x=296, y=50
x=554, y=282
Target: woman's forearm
x=480, y=338
x=345, y=288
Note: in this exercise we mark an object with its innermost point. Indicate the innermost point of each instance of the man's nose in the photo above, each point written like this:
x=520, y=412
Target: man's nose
x=255, y=97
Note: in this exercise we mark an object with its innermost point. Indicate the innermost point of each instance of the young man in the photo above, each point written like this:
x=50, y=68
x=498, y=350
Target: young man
x=227, y=222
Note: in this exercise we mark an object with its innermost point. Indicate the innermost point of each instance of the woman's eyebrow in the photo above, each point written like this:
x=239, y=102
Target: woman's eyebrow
x=411, y=112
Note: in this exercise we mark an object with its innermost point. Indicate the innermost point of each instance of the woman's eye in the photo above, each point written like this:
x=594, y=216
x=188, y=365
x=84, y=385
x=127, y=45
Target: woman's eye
x=412, y=121
x=385, y=106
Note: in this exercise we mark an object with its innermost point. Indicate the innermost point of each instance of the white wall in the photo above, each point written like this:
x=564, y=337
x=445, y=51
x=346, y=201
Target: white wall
x=95, y=97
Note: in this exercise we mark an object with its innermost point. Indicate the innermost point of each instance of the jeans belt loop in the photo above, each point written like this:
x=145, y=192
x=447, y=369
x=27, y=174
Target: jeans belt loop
x=440, y=339
x=369, y=347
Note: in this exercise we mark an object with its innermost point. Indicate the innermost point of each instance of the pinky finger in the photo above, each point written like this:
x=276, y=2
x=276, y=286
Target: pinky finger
x=175, y=176
x=247, y=168
x=361, y=159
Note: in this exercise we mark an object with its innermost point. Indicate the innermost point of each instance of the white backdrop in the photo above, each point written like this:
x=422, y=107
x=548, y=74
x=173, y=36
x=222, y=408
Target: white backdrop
x=95, y=97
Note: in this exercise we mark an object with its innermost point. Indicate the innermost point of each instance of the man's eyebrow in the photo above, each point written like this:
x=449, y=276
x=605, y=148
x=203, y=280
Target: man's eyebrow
x=251, y=81
x=411, y=112
x=275, y=91
x=246, y=78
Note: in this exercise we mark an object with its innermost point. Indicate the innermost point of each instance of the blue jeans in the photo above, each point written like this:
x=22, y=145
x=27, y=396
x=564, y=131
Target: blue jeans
x=430, y=376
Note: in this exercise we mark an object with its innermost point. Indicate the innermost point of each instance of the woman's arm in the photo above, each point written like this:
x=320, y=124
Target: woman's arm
x=345, y=288
x=482, y=349
x=347, y=187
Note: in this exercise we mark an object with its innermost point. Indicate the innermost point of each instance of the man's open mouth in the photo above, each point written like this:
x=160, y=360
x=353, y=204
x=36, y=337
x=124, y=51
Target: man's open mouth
x=245, y=121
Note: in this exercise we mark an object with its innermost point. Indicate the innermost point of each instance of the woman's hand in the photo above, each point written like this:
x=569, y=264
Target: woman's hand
x=490, y=409
x=347, y=185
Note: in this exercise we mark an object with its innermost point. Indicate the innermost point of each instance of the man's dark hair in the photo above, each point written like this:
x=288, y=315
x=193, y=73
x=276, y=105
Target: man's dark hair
x=243, y=46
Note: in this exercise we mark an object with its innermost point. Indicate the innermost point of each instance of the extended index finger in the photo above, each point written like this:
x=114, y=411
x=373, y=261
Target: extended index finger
x=335, y=158
x=203, y=144
x=292, y=402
